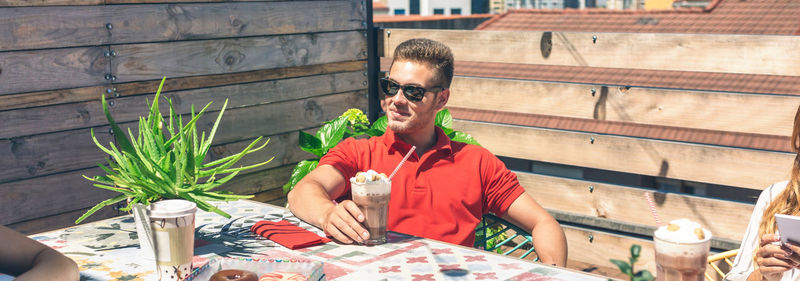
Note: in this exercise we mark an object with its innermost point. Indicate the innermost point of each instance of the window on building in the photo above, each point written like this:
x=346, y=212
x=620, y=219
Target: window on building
x=455, y=11
x=399, y=11
x=438, y=11
x=413, y=7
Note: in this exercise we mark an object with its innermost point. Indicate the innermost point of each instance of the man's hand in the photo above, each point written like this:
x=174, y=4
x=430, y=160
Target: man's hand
x=343, y=223
x=773, y=260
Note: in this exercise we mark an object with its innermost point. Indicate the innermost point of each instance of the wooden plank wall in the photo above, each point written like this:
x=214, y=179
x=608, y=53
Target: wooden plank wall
x=709, y=138
x=284, y=66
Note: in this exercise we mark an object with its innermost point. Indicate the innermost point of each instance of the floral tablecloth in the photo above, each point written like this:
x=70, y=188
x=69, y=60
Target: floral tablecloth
x=108, y=250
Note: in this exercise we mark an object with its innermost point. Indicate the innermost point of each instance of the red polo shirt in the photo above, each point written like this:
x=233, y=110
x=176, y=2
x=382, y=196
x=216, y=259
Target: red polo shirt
x=440, y=195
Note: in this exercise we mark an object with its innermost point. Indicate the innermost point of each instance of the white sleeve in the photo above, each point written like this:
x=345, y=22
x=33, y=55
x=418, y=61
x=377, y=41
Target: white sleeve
x=743, y=264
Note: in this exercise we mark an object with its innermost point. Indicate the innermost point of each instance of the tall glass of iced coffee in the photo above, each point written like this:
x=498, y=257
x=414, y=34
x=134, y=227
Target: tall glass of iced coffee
x=681, y=251
x=371, y=192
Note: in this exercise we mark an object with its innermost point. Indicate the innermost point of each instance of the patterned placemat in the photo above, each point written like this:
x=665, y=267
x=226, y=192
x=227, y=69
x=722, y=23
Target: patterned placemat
x=108, y=250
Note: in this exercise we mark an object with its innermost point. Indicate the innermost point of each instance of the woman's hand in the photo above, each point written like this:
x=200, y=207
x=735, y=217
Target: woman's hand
x=794, y=248
x=773, y=259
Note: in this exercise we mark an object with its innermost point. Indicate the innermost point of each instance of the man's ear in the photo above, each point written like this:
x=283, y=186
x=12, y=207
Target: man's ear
x=442, y=98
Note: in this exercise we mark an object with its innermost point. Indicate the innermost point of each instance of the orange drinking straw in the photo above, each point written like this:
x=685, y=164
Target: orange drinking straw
x=402, y=161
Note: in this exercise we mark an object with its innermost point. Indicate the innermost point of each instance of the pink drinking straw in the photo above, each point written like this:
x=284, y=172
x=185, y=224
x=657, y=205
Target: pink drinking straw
x=652, y=208
x=402, y=161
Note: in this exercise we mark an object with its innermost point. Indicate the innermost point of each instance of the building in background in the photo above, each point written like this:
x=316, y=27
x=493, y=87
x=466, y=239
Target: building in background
x=470, y=7
x=480, y=7
x=379, y=8
x=432, y=7
x=502, y=6
x=660, y=4
x=497, y=6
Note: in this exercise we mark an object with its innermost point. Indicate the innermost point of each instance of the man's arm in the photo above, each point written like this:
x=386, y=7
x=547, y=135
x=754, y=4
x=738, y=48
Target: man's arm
x=548, y=237
x=30, y=260
x=311, y=201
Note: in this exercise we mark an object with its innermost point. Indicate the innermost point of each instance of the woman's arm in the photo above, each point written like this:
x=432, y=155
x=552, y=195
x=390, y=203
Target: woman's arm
x=744, y=266
x=30, y=260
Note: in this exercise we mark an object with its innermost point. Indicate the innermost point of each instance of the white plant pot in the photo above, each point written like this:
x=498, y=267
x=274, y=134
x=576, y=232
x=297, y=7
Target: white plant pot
x=142, y=221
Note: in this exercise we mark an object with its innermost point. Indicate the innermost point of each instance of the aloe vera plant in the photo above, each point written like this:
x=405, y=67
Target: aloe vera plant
x=165, y=160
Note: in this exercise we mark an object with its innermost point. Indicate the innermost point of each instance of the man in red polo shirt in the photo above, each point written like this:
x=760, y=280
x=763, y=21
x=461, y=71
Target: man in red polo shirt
x=443, y=189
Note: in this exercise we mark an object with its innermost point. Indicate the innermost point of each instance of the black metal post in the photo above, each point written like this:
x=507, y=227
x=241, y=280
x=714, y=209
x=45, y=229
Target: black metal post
x=373, y=66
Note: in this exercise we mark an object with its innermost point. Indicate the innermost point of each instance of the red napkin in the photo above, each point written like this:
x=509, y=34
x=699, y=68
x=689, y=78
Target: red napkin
x=287, y=234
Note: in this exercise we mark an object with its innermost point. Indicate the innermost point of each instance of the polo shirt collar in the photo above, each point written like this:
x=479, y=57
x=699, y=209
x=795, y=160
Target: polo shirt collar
x=395, y=143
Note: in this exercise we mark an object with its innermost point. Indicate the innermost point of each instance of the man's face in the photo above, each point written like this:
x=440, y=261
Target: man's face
x=408, y=117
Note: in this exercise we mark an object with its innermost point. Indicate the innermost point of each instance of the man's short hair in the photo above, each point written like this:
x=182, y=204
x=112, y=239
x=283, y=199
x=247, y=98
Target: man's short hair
x=432, y=53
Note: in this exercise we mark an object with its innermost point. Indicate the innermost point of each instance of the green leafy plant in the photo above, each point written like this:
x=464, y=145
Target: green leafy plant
x=154, y=165
x=627, y=268
x=491, y=242
x=353, y=123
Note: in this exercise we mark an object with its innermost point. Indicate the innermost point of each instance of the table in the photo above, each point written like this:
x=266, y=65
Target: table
x=108, y=250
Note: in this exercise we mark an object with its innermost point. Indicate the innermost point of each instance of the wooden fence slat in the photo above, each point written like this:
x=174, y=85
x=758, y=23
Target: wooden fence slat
x=27, y=71
x=35, y=156
x=269, y=180
x=628, y=228
x=30, y=71
x=45, y=154
x=62, y=220
x=270, y=195
x=167, y=22
x=597, y=248
x=41, y=3
x=47, y=98
x=623, y=203
x=702, y=163
x=73, y=26
x=288, y=116
x=184, y=1
x=153, y=60
x=747, y=113
x=21, y=3
x=30, y=121
x=21, y=200
x=753, y=54
x=52, y=27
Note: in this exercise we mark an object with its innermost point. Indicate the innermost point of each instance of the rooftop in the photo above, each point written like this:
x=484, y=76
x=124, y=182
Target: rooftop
x=764, y=17
x=402, y=18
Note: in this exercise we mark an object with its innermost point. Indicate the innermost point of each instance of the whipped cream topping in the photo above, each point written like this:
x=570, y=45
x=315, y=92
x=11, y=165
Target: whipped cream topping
x=368, y=177
x=370, y=182
x=683, y=231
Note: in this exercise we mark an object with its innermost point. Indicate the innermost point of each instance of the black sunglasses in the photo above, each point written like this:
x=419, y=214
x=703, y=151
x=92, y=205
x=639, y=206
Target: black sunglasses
x=411, y=92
